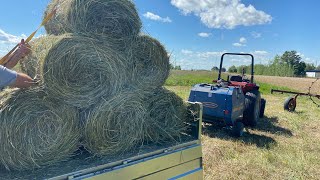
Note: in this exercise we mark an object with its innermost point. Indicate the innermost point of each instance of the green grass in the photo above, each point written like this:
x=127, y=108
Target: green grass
x=190, y=78
x=283, y=145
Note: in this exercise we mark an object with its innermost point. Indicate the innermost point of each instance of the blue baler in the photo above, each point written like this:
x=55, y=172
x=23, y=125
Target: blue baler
x=225, y=103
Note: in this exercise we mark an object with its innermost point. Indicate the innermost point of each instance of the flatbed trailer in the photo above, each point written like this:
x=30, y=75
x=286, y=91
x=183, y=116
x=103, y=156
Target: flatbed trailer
x=181, y=160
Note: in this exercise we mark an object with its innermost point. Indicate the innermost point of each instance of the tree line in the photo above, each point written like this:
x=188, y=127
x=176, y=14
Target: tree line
x=173, y=67
x=288, y=64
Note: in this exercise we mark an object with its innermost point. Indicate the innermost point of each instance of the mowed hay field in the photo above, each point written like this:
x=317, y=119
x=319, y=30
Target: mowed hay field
x=283, y=145
x=298, y=84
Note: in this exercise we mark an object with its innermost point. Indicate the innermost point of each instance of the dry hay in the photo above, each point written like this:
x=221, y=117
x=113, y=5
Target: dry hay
x=114, y=21
x=80, y=71
x=133, y=118
x=116, y=126
x=34, y=130
x=168, y=116
x=39, y=49
x=295, y=83
x=57, y=24
x=150, y=62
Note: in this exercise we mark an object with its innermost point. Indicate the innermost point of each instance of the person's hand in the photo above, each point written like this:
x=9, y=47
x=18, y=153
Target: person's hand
x=37, y=79
x=24, y=49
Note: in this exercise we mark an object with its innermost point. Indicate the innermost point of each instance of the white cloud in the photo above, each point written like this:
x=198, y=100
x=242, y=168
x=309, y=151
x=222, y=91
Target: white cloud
x=7, y=38
x=301, y=55
x=223, y=13
x=243, y=40
x=204, y=35
x=256, y=34
x=202, y=54
x=198, y=59
x=238, y=44
x=8, y=41
x=209, y=54
x=261, y=56
x=308, y=60
x=188, y=59
x=184, y=51
x=155, y=17
x=305, y=58
x=260, y=52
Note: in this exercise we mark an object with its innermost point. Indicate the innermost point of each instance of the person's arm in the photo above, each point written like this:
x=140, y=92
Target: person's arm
x=23, y=81
x=20, y=53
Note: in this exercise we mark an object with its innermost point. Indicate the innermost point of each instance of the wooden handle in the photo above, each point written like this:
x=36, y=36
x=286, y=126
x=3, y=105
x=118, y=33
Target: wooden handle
x=5, y=58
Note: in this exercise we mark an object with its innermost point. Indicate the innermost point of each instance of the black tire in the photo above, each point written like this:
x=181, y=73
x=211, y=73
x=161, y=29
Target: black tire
x=290, y=104
x=262, y=107
x=237, y=129
x=251, y=112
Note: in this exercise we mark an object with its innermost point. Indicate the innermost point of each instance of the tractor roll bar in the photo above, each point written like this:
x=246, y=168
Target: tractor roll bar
x=238, y=54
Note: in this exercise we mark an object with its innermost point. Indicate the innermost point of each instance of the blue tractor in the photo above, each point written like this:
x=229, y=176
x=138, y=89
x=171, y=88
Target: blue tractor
x=236, y=100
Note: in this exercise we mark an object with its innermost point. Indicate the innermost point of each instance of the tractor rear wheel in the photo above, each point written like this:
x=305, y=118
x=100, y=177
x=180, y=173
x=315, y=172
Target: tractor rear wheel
x=262, y=107
x=251, y=112
x=290, y=104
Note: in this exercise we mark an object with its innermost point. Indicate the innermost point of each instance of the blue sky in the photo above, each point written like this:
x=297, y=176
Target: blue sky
x=196, y=32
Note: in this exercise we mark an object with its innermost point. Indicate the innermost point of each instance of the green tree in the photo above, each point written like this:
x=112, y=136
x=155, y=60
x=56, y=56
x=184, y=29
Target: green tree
x=215, y=68
x=171, y=66
x=175, y=67
x=232, y=69
x=243, y=68
x=293, y=59
x=259, y=69
x=310, y=67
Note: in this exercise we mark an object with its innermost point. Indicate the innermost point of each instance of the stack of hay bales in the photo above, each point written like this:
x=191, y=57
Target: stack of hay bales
x=94, y=60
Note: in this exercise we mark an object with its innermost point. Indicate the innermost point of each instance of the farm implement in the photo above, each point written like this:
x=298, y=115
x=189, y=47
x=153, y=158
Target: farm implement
x=290, y=103
x=236, y=101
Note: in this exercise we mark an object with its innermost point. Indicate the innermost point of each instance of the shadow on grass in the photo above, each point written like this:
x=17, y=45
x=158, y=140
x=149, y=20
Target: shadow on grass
x=269, y=124
x=299, y=112
x=218, y=130
x=266, y=124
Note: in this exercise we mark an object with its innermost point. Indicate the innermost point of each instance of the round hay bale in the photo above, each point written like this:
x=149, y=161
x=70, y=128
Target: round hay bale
x=114, y=21
x=57, y=25
x=80, y=71
x=168, y=116
x=117, y=125
x=35, y=130
x=39, y=49
x=150, y=63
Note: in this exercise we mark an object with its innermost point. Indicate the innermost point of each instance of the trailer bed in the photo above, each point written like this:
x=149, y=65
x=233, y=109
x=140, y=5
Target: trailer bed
x=82, y=161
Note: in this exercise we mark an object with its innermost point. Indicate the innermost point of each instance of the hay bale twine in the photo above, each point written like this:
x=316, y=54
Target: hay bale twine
x=35, y=130
x=150, y=62
x=115, y=21
x=168, y=116
x=80, y=71
x=40, y=48
x=117, y=125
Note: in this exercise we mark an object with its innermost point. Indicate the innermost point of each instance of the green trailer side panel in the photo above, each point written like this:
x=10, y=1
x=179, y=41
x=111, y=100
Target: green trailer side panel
x=180, y=162
x=176, y=171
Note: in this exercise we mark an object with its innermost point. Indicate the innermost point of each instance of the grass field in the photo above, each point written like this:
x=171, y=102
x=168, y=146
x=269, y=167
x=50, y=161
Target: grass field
x=283, y=145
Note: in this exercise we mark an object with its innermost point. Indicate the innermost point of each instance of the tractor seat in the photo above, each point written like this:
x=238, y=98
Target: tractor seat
x=236, y=78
